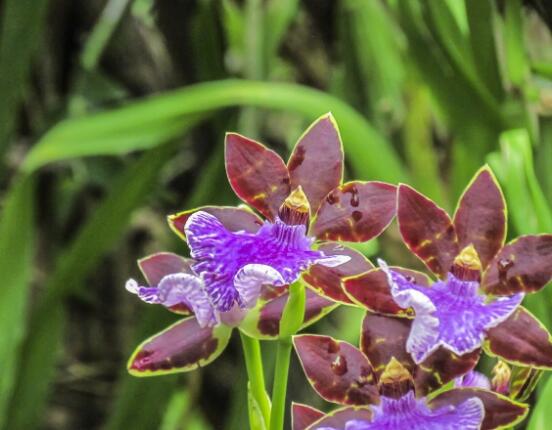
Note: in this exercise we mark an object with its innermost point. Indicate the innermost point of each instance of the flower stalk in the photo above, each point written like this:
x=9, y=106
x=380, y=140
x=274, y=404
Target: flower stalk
x=255, y=374
x=292, y=319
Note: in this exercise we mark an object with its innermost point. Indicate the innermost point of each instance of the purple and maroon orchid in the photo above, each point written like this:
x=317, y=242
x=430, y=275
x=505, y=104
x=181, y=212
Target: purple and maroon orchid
x=481, y=281
x=241, y=266
x=381, y=388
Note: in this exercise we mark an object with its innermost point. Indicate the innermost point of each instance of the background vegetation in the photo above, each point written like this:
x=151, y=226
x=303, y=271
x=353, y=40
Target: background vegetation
x=113, y=113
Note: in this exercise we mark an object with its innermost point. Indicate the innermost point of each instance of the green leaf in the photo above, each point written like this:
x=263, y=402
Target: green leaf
x=542, y=413
x=38, y=357
x=481, y=17
x=16, y=251
x=21, y=31
x=144, y=124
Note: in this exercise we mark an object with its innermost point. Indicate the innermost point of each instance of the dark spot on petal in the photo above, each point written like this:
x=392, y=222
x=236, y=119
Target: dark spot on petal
x=504, y=265
x=339, y=365
x=297, y=159
x=357, y=215
x=286, y=181
x=332, y=198
x=333, y=347
x=352, y=189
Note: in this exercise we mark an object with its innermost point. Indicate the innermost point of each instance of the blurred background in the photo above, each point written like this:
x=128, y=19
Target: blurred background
x=113, y=114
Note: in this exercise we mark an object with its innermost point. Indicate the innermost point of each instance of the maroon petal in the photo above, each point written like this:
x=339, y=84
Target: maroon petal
x=234, y=219
x=338, y=419
x=480, y=217
x=355, y=212
x=182, y=347
x=327, y=280
x=500, y=411
x=338, y=371
x=263, y=322
x=257, y=174
x=385, y=337
x=317, y=161
x=303, y=416
x=371, y=290
x=521, y=340
x=441, y=367
x=427, y=230
x=523, y=265
x=156, y=266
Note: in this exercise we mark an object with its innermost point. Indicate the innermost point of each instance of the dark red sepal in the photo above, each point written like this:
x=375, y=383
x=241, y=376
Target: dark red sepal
x=500, y=411
x=316, y=163
x=521, y=340
x=263, y=322
x=338, y=371
x=523, y=265
x=371, y=290
x=385, y=337
x=480, y=217
x=303, y=416
x=427, y=230
x=233, y=218
x=441, y=367
x=327, y=280
x=156, y=266
x=355, y=212
x=182, y=347
x=257, y=174
x=338, y=419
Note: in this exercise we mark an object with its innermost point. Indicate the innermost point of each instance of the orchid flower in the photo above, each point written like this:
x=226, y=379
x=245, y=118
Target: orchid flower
x=381, y=388
x=476, y=300
x=241, y=265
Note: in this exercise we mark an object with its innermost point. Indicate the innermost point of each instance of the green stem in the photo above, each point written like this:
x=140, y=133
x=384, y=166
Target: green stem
x=280, y=384
x=254, y=365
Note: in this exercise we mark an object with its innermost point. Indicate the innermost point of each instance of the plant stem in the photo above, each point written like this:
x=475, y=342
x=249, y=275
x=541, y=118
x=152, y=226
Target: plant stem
x=254, y=365
x=280, y=384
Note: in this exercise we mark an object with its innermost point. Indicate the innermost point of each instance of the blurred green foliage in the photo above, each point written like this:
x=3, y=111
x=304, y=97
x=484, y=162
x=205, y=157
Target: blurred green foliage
x=113, y=115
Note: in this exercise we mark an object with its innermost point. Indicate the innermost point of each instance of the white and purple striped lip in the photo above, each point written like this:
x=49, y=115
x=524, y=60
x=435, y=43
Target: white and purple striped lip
x=451, y=313
x=408, y=412
x=231, y=267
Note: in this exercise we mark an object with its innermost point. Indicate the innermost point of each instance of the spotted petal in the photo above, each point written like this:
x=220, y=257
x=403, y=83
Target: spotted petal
x=257, y=174
x=316, y=163
x=480, y=219
x=500, y=412
x=521, y=340
x=383, y=337
x=338, y=371
x=427, y=230
x=355, y=212
x=327, y=280
x=523, y=265
x=371, y=290
x=182, y=347
x=263, y=321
